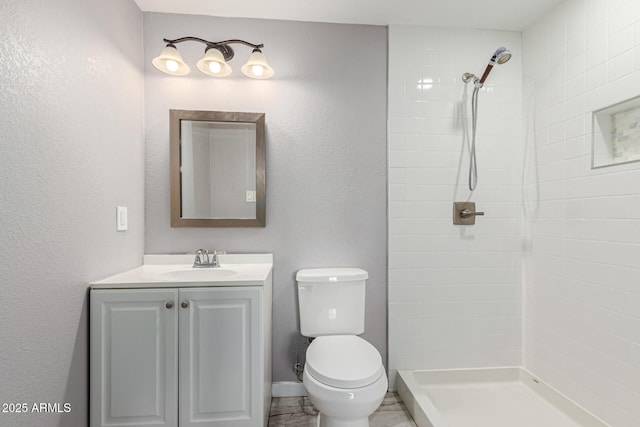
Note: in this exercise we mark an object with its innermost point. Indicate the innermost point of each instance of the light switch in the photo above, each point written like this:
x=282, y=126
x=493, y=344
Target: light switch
x=122, y=223
x=251, y=196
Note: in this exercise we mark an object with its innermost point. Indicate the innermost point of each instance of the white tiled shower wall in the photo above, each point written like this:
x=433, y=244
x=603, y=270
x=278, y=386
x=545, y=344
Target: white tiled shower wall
x=454, y=291
x=582, y=226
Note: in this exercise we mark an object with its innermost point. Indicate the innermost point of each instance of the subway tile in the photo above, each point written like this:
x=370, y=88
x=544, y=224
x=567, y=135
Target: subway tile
x=436, y=259
x=397, y=192
x=397, y=159
x=416, y=226
x=425, y=159
x=618, y=90
x=575, y=107
x=397, y=142
x=596, y=54
x=609, y=230
x=597, y=97
x=621, y=15
x=396, y=361
x=575, y=86
x=429, y=192
x=575, y=127
x=596, y=22
x=396, y=106
x=431, y=176
x=397, y=175
x=576, y=146
x=596, y=76
x=620, y=42
x=618, y=207
x=420, y=142
x=397, y=125
x=620, y=66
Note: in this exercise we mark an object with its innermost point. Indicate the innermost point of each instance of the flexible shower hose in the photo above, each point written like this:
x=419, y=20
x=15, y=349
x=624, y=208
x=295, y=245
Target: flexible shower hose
x=473, y=164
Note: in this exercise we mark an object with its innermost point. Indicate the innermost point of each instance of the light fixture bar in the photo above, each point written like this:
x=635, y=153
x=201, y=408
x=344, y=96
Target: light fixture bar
x=227, y=51
x=197, y=39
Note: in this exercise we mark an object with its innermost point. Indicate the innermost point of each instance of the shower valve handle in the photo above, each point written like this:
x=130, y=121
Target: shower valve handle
x=466, y=213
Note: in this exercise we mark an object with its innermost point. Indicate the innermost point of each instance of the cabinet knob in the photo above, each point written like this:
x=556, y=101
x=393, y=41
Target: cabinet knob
x=169, y=305
x=184, y=304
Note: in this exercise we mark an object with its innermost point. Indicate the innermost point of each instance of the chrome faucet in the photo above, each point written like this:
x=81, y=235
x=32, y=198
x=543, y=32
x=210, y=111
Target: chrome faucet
x=203, y=261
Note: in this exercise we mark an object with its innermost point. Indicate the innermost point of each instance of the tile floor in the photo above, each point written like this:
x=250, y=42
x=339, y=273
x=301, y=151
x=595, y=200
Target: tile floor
x=299, y=412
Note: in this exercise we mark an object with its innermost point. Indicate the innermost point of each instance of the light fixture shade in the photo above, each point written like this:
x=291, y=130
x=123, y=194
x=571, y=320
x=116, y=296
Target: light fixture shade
x=257, y=66
x=170, y=62
x=213, y=64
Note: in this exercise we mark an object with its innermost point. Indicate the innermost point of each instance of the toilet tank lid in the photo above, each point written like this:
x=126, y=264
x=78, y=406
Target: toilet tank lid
x=331, y=275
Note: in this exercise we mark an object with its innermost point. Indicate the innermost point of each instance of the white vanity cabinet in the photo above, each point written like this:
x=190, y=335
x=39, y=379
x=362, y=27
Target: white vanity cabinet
x=180, y=356
x=134, y=357
x=221, y=357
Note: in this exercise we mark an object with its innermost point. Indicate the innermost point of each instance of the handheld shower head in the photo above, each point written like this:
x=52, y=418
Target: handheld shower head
x=500, y=56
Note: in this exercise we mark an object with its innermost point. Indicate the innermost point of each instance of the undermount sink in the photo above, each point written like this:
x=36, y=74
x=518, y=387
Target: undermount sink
x=197, y=274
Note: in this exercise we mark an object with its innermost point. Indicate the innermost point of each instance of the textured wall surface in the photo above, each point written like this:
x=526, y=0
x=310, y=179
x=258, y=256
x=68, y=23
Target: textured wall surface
x=326, y=154
x=454, y=291
x=70, y=151
x=582, y=287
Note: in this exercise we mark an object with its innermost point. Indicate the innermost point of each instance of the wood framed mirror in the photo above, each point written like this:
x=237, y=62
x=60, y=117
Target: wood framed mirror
x=217, y=169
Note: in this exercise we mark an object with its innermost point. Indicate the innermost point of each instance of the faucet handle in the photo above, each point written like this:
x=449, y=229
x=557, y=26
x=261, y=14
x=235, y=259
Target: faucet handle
x=202, y=256
x=215, y=261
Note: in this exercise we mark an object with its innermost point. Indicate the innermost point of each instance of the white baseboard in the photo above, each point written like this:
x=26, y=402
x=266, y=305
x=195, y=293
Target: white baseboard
x=288, y=389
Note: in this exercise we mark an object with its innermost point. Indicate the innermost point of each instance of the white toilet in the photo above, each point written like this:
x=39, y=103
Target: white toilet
x=343, y=373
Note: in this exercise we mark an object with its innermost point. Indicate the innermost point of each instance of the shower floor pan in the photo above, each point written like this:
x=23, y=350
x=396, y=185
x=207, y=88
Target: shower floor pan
x=495, y=397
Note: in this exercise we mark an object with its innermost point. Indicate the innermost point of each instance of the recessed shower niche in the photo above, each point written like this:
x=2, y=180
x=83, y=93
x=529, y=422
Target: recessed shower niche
x=616, y=134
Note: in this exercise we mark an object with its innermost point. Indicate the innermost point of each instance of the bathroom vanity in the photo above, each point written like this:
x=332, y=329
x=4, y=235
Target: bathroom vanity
x=177, y=346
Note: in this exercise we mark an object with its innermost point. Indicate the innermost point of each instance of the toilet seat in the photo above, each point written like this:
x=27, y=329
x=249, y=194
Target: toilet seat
x=343, y=361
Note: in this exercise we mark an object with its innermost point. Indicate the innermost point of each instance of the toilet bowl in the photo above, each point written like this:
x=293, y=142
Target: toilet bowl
x=345, y=380
x=343, y=373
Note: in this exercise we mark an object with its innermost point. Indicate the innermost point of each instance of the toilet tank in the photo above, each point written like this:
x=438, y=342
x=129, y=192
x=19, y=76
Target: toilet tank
x=331, y=301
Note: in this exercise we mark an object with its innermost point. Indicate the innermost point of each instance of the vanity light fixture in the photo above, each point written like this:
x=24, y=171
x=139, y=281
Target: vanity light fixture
x=214, y=62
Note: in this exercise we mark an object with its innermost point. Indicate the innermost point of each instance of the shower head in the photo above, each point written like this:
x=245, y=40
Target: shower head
x=500, y=56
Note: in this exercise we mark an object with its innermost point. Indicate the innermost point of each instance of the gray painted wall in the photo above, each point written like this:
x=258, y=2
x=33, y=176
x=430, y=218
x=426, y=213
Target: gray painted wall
x=326, y=154
x=71, y=138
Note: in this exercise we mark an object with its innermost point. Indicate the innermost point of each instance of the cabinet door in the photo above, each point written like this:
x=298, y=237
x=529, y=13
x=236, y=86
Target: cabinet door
x=133, y=347
x=220, y=357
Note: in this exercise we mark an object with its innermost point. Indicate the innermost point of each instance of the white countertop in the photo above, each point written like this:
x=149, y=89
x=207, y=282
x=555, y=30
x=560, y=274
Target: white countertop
x=158, y=271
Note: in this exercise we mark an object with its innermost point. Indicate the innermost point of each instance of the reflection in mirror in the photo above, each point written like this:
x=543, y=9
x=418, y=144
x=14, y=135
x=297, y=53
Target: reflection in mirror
x=217, y=169
x=219, y=166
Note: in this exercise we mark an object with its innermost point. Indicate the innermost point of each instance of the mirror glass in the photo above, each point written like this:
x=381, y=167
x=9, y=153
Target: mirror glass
x=217, y=169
